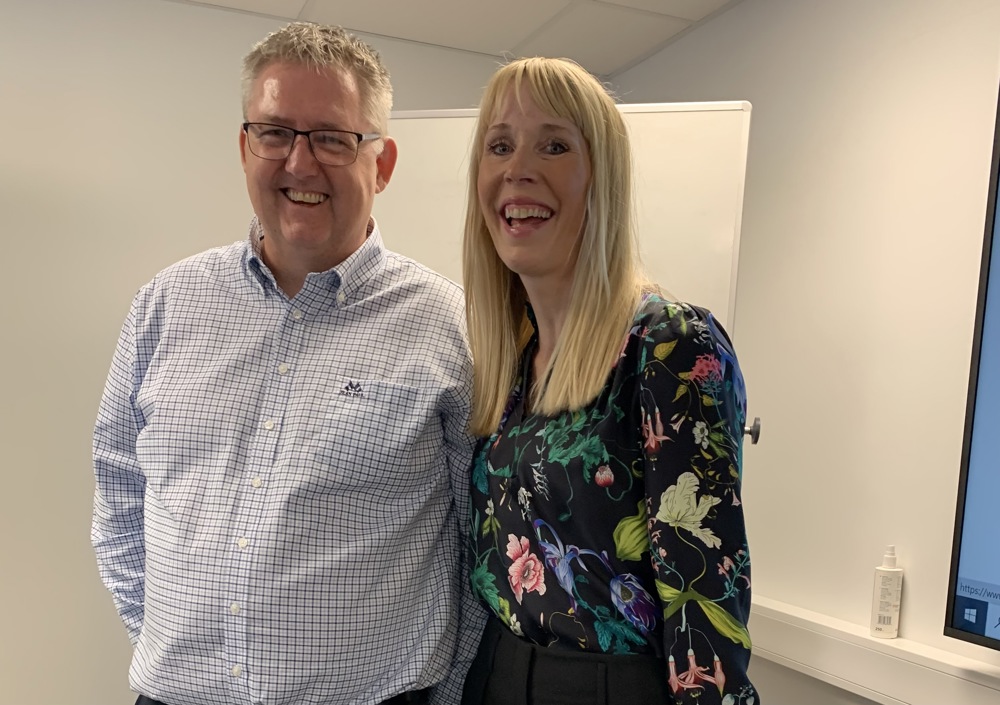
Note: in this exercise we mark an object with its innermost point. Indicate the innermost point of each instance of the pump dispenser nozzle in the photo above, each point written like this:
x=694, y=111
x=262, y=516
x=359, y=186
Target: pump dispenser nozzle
x=889, y=559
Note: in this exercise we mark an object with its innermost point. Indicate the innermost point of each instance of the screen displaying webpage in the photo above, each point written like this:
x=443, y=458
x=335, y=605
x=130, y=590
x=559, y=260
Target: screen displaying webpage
x=976, y=602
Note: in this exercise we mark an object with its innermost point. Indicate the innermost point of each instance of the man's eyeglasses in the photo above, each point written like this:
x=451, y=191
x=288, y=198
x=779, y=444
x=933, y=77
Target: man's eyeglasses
x=330, y=147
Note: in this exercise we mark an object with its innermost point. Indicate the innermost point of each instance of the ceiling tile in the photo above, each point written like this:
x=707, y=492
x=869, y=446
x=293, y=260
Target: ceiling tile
x=278, y=8
x=483, y=27
x=602, y=38
x=693, y=10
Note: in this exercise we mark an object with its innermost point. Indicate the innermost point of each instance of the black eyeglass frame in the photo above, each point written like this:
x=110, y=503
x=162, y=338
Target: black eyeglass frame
x=362, y=138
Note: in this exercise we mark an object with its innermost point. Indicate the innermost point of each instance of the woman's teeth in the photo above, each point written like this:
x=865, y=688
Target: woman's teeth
x=512, y=213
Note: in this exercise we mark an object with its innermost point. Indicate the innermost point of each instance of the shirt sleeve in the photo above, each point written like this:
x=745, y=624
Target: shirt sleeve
x=471, y=617
x=117, y=525
x=692, y=407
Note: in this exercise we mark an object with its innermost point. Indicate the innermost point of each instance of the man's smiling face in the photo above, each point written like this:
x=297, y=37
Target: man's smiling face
x=312, y=214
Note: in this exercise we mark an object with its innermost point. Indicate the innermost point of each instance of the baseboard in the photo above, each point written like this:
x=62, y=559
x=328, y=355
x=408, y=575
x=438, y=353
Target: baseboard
x=887, y=671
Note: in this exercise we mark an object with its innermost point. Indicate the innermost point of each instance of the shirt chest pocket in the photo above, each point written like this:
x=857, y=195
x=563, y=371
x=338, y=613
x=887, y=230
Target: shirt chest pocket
x=375, y=432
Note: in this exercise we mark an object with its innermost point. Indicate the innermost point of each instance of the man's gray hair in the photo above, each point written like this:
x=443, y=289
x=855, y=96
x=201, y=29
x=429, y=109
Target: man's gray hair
x=325, y=46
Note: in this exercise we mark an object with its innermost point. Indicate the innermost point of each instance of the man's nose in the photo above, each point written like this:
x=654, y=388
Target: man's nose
x=301, y=160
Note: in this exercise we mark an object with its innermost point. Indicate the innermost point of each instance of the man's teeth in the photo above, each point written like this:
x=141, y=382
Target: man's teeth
x=518, y=212
x=304, y=197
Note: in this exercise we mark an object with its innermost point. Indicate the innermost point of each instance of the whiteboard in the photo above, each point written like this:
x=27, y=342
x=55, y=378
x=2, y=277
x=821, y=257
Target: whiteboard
x=690, y=167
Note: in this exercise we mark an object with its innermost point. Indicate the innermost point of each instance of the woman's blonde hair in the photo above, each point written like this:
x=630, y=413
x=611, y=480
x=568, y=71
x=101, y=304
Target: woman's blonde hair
x=607, y=282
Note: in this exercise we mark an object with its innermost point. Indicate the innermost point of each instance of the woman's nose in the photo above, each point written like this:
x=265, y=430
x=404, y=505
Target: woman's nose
x=521, y=167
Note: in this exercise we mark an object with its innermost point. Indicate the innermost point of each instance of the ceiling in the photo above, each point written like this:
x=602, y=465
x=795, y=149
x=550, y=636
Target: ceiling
x=605, y=36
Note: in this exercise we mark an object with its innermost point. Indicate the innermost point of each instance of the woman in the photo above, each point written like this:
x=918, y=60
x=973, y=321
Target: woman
x=607, y=535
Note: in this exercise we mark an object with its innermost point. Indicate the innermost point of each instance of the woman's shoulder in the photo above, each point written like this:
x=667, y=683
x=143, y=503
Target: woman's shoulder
x=658, y=310
x=660, y=320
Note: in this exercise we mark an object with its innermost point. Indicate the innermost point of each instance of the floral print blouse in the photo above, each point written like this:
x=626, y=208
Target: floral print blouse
x=618, y=528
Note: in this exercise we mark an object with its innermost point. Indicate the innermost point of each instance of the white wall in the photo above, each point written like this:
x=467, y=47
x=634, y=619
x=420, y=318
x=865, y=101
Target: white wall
x=863, y=225
x=862, y=232
x=119, y=121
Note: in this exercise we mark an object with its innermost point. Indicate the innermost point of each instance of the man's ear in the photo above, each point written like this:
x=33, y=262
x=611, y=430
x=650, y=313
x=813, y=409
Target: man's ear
x=385, y=163
x=243, y=148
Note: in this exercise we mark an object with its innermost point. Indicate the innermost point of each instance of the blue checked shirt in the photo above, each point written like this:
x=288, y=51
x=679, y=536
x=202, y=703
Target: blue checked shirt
x=282, y=484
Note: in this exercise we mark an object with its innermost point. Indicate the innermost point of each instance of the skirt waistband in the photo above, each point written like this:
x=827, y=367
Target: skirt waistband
x=518, y=671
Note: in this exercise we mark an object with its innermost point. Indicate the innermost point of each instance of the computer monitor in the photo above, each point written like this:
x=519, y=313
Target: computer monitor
x=973, y=611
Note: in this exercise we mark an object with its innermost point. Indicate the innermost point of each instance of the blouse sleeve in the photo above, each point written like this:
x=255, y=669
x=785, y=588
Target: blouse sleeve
x=692, y=409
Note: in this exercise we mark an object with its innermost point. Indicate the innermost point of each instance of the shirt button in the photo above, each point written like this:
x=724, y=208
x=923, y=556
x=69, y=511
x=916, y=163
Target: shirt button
x=242, y=542
x=234, y=608
x=283, y=368
x=256, y=482
x=341, y=297
x=236, y=670
x=269, y=424
x=296, y=314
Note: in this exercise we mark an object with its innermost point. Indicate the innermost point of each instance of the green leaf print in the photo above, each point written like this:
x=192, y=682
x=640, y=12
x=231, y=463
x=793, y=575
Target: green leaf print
x=725, y=623
x=479, y=473
x=667, y=594
x=604, y=635
x=682, y=599
x=566, y=442
x=484, y=585
x=614, y=636
x=505, y=471
x=663, y=350
x=504, y=611
x=631, y=536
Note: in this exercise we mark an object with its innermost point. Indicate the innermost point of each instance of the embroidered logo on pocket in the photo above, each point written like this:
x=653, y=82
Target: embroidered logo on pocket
x=352, y=389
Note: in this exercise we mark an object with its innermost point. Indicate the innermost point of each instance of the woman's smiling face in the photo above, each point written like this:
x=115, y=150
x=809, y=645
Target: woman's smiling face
x=534, y=175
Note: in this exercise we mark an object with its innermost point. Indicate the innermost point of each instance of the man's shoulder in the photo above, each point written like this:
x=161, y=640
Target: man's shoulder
x=406, y=266
x=402, y=269
x=192, y=278
x=216, y=259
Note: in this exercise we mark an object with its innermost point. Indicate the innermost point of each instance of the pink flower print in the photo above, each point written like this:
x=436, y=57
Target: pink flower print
x=726, y=565
x=682, y=682
x=706, y=367
x=526, y=572
x=719, y=676
x=604, y=477
x=652, y=434
x=695, y=675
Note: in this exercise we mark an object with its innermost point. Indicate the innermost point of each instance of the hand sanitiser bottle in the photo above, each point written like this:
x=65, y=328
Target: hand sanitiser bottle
x=885, y=600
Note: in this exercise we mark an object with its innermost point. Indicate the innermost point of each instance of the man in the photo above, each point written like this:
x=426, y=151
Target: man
x=281, y=450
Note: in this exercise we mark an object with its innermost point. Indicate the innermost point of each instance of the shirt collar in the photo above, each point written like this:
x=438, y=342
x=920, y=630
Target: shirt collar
x=347, y=277
x=363, y=264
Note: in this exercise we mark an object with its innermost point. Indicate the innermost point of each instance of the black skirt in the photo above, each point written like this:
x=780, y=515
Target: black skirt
x=511, y=671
